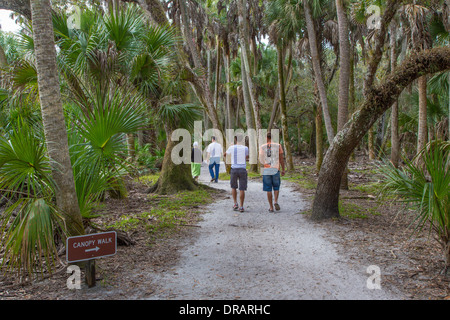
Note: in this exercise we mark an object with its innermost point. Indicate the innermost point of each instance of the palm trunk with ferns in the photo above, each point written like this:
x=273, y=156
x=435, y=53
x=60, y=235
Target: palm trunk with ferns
x=53, y=115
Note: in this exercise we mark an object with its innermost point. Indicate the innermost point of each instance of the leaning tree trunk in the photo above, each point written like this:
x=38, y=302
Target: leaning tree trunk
x=378, y=99
x=53, y=116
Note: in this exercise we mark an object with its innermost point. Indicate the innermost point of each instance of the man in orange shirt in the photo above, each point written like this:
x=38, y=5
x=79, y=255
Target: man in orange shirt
x=271, y=155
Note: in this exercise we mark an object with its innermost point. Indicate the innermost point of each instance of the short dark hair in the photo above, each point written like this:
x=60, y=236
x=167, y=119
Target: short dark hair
x=269, y=136
x=213, y=138
x=238, y=138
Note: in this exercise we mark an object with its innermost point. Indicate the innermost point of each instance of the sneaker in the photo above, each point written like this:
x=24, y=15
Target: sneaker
x=241, y=209
x=236, y=207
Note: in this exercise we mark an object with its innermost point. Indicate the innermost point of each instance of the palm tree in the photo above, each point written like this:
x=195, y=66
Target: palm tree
x=246, y=70
x=344, y=61
x=416, y=16
x=175, y=177
x=315, y=58
x=30, y=220
x=395, y=143
x=285, y=22
x=344, y=72
x=427, y=193
x=53, y=116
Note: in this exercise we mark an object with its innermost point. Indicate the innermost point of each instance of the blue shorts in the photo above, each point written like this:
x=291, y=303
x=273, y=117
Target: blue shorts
x=271, y=182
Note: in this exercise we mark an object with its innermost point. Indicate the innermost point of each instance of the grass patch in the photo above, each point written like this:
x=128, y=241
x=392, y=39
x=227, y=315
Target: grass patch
x=372, y=188
x=354, y=211
x=302, y=179
x=186, y=199
x=148, y=180
x=166, y=213
x=125, y=223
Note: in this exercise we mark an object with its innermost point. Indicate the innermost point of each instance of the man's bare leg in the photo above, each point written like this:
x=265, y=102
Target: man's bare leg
x=234, y=194
x=242, y=197
x=276, y=193
x=269, y=197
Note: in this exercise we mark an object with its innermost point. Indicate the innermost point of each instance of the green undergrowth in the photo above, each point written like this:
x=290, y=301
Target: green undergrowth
x=148, y=180
x=167, y=212
x=354, y=211
x=302, y=176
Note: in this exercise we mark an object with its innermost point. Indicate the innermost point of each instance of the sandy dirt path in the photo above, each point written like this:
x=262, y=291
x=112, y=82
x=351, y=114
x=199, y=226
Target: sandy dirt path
x=260, y=255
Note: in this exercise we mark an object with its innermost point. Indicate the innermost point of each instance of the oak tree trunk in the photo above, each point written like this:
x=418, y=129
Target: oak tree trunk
x=378, y=99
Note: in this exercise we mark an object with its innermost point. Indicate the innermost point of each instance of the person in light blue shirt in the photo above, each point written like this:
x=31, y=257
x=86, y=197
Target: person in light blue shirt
x=238, y=175
x=214, y=153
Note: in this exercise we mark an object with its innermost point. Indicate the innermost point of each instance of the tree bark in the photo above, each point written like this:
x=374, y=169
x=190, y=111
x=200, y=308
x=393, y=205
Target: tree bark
x=371, y=144
x=283, y=112
x=378, y=99
x=244, y=41
x=276, y=100
x=53, y=116
x=20, y=6
x=380, y=38
x=319, y=137
x=173, y=178
x=344, y=73
x=226, y=60
x=422, y=133
x=155, y=11
x=344, y=60
x=395, y=141
x=217, y=73
x=317, y=70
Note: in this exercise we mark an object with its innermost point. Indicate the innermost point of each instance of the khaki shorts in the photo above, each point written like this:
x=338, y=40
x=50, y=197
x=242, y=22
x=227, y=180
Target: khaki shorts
x=241, y=175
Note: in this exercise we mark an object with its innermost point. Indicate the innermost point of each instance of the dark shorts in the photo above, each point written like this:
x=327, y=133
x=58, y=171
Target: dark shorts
x=271, y=182
x=241, y=175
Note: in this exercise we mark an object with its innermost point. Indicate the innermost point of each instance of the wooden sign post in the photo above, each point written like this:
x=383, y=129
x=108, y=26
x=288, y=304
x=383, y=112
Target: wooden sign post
x=89, y=247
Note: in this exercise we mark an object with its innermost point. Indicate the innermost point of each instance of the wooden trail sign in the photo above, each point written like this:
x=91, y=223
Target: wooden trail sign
x=91, y=246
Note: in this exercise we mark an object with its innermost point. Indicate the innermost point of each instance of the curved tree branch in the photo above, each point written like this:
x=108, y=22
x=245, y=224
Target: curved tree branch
x=378, y=100
x=19, y=6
